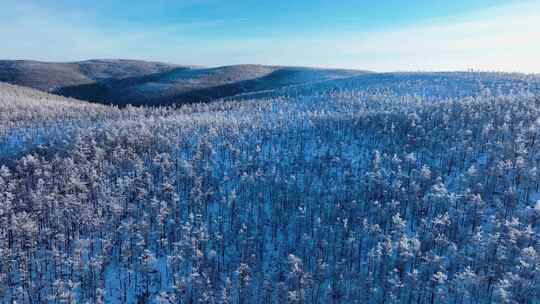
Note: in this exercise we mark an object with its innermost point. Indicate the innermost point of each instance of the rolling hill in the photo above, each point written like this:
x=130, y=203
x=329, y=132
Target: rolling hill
x=122, y=82
x=18, y=99
x=50, y=76
x=183, y=85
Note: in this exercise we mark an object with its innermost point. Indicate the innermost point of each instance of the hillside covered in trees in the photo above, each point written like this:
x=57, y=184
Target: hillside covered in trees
x=123, y=82
x=406, y=188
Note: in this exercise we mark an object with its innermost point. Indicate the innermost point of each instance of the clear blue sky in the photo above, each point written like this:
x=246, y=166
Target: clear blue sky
x=379, y=35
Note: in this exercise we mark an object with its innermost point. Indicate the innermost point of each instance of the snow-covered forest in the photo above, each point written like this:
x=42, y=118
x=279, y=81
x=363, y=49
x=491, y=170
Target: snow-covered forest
x=413, y=188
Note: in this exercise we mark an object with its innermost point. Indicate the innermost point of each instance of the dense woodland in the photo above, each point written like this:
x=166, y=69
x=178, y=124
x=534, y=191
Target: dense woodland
x=330, y=195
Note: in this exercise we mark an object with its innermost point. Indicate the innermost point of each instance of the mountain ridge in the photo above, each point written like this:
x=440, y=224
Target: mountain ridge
x=49, y=76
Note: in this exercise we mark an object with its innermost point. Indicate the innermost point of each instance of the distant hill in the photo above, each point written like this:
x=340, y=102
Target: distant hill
x=121, y=82
x=50, y=76
x=135, y=82
x=185, y=85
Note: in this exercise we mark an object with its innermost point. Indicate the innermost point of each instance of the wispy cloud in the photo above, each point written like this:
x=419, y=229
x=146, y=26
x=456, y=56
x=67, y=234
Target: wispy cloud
x=501, y=38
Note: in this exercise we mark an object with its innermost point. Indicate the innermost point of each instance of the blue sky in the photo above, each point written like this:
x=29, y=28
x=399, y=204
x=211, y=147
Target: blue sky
x=376, y=35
